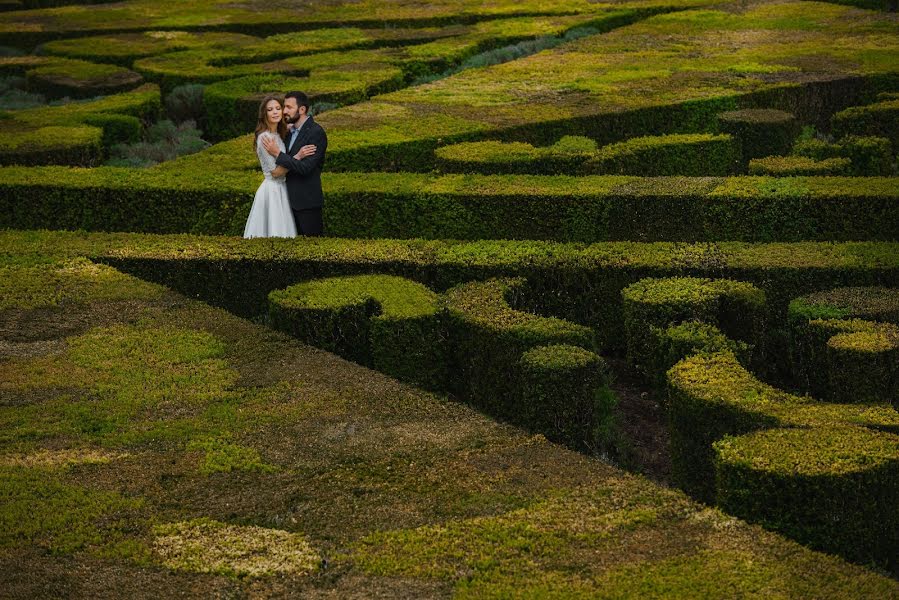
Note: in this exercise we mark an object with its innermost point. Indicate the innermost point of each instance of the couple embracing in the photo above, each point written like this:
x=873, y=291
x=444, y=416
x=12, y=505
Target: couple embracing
x=291, y=149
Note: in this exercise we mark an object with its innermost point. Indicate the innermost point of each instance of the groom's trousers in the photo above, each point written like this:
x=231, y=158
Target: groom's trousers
x=309, y=221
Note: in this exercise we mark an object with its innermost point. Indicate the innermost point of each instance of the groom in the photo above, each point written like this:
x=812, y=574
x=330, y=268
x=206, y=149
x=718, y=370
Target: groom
x=306, y=145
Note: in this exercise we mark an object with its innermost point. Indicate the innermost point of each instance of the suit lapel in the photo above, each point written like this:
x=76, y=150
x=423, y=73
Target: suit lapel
x=300, y=140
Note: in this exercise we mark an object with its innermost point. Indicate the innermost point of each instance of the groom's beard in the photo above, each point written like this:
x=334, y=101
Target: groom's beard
x=291, y=121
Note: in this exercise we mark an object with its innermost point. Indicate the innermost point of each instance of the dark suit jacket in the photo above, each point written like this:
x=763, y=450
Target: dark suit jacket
x=304, y=181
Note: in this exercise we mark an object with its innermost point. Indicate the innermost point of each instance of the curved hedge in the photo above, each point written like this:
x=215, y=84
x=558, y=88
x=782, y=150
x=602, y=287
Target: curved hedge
x=489, y=337
x=699, y=154
x=878, y=119
x=861, y=364
x=676, y=342
x=386, y=322
x=868, y=155
x=61, y=145
x=197, y=66
x=567, y=156
x=736, y=307
x=760, y=131
x=80, y=79
x=834, y=489
x=791, y=166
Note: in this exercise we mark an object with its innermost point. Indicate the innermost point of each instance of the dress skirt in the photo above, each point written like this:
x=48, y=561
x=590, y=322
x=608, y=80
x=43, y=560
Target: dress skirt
x=270, y=215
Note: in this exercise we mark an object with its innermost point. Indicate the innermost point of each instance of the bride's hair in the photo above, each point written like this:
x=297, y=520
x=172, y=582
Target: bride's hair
x=262, y=121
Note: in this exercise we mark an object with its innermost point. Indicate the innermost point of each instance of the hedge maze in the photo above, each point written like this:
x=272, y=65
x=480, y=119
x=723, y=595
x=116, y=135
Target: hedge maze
x=544, y=223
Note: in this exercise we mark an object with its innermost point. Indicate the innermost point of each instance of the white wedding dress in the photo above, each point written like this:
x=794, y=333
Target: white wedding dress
x=270, y=215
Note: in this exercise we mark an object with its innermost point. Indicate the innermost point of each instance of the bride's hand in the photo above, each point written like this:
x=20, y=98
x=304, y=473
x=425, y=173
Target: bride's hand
x=305, y=151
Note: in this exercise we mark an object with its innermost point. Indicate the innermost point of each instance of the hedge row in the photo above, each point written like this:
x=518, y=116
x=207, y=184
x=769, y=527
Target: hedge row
x=792, y=166
x=528, y=369
x=868, y=155
x=675, y=154
x=762, y=131
x=827, y=480
x=845, y=344
x=90, y=129
x=189, y=196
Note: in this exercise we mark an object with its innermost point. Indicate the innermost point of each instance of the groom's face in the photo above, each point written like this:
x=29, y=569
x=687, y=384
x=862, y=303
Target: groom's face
x=291, y=110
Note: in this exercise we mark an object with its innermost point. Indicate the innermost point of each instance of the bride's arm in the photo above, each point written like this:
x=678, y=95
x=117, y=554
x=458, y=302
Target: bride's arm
x=279, y=171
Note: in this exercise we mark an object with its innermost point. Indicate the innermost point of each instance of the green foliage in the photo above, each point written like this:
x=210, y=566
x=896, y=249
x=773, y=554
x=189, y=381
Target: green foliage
x=54, y=144
x=386, y=322
x=221, y=456
x=834, y=488
x=878, y=119
x=791, y=166
x=162, y=142
x=185, y=103
x=560, y=394
x=761, y=132
x=869, y=156
x=60, y=77
x=675, y=154
x=677, y=342
x=736, y=307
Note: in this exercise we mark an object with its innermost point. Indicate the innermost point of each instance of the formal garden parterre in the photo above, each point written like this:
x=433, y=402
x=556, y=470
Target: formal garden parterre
x=539, y=215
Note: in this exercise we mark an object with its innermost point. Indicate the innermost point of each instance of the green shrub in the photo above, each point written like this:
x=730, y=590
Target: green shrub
x=831, y=488
x=710, y=396
x=61, y=145
x=736, y=307
x=386, y=322
x=559, y=388
x=815, y=319
x=869, y=156
x=675, y=154
x=117, y=129
x=163, y=142
x=791, y=166
x=676, y=342
x=185, y=103
x=761, y=132
x=863, y=366
x=878, y=119
x=489, y=337
x=79, y=79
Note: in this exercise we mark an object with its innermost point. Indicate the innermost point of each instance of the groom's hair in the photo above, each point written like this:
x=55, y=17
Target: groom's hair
x=302, y=99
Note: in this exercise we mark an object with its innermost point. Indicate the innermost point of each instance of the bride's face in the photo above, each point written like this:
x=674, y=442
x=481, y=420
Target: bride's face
x=273, y=112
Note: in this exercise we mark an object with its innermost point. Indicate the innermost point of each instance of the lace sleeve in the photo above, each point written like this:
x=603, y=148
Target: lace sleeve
x=266, y=160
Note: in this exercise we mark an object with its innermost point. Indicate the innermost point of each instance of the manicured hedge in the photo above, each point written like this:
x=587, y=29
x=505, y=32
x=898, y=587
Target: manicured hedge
x=860, y=365
x=382, y=321
x=834, y=489
x=198, y=66
x=676, y=342
x=736, y=307
x=587, y=209
x=791, y=166
x=559, y=387
x=699, y=154
x=878, y=119
x=869, y=155
x=234, y=104
x=567, y=156
x=56, y=144
x=760, y=131
x=79, y=79
x=489, y=337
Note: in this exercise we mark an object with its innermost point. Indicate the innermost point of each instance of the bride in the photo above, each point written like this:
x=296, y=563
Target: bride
x=270, y=215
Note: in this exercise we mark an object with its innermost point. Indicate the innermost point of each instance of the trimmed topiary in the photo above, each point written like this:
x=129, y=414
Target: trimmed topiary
x=863, y=366
x=677, y=342
x=710, y=396
x=488, y=338
x=791, y=166
x=869, y=155
x=78, y=145
x=815, y=319
x=761, y=132
x=117, y=129
x=878, y=119
x=734, y=306
x=492, y=157
x=834, y=489
x=80, y=79
x=700, y=154
x=386, y=322
x=559, y=386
